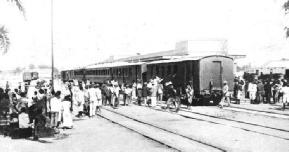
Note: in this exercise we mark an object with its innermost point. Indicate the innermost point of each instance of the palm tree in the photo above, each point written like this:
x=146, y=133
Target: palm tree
x=286, y=8
x=4, y=39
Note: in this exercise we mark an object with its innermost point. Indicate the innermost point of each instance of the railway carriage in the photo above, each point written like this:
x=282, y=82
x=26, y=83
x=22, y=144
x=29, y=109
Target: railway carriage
x=207, y=73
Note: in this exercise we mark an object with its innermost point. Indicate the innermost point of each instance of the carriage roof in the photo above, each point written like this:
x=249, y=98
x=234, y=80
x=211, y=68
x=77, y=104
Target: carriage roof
x=113, y=64
x=187, y=58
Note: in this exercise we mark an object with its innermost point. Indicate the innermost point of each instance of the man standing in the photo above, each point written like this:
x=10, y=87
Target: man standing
x=55, y=107
x=99, y=98
x=260, y=92
x=92, y=100
x=154, y=91
x=285, y=91
x=268, y=91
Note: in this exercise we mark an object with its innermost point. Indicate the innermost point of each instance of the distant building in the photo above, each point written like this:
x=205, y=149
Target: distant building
x=272, y=67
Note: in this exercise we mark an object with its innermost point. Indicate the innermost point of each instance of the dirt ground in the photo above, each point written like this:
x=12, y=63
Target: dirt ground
x=89, y=134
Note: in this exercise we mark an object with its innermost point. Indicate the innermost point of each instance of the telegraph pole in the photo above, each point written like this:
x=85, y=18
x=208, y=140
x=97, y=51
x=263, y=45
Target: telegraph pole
x=52, y=55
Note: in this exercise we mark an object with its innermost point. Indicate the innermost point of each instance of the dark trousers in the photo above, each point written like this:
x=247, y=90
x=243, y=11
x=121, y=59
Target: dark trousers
x=139, y=100
x=124, y=98
x=275, y=96
x=104, y=100
x=268, y=97
x=260, y=96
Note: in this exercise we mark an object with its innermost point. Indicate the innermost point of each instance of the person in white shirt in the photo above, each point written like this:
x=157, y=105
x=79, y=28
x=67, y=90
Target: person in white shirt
x=55, y=107
x=252, y=88
x=285, y=91
x=92, y=100
x=23, y=119
x=98, y=102
x=128, y=92
x=116, y=95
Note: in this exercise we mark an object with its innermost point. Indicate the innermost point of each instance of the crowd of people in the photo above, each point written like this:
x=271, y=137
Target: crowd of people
x=262, y=91
x=55, y=108
x=41, y=107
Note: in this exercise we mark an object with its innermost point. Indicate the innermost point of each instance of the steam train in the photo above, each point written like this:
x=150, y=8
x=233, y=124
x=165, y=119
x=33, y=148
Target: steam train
x=207, y=74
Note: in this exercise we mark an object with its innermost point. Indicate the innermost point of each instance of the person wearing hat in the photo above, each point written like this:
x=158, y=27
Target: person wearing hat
x=226, y=95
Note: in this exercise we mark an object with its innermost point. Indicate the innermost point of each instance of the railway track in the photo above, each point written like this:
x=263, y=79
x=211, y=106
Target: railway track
x=259, y=112
x=247, y=126
x=163, y=136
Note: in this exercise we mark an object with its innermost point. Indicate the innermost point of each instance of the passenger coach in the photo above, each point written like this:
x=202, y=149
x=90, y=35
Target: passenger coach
x=207, y=73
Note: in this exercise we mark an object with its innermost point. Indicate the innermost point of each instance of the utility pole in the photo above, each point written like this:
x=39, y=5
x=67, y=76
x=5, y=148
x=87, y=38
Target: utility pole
x=52, y=56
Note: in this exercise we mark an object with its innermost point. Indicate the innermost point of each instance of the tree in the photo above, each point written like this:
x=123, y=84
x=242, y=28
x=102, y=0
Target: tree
x=286, y=8
x=31, y=66
x=4, y=39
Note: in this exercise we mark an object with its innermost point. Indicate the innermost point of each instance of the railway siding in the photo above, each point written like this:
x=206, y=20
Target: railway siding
x=211, y=133
x=167, y=138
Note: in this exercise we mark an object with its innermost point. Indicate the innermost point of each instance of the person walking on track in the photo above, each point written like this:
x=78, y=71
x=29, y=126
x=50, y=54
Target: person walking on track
x=226, y=95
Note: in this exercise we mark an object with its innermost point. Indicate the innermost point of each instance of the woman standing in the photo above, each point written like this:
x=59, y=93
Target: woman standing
x=66, y=111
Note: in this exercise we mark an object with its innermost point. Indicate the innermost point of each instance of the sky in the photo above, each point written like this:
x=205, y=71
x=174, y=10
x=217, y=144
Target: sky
x=89, y=31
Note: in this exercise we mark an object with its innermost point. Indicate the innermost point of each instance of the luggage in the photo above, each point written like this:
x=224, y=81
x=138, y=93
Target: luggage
x=25, y=132
x=15, y=133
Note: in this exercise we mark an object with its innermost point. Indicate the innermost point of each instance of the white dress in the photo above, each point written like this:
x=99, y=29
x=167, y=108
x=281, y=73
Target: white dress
x=67, y=118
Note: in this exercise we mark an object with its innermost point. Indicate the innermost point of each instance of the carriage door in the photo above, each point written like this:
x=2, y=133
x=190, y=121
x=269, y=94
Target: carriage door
x=217, y=75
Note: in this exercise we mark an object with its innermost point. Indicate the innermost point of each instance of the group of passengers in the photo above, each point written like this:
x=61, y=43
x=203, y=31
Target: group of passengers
x=42, y=111
x=89, y=97
x=262, y=91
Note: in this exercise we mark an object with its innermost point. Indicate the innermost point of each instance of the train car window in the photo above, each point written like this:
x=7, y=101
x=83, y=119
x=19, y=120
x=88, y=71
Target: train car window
x=125, y=72
x=108, y=72
x=157, y=70
x=163, y=71
x=175, y=68
x=169, y=70
x=130, y=72
x=152, y=70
